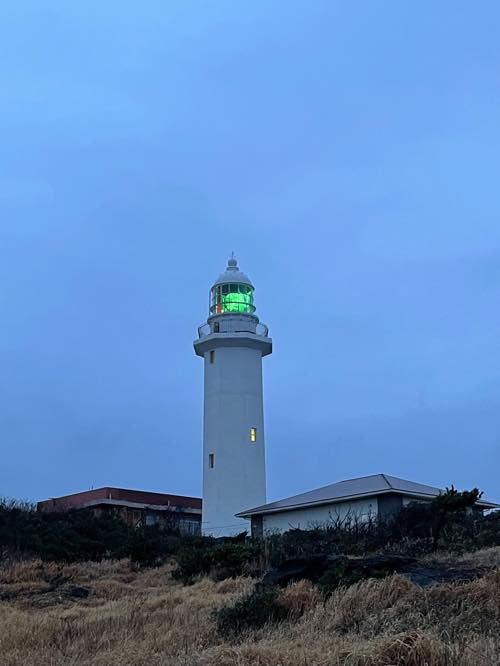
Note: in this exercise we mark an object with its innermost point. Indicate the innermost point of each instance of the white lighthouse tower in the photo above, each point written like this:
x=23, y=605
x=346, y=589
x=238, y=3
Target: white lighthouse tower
x=232, y=344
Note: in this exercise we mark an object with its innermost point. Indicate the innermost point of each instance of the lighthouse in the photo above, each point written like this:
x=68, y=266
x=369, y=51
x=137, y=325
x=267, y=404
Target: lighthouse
x=232, y=344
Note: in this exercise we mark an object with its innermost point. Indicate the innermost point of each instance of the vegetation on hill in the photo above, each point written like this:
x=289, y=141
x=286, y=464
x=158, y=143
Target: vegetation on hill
x=448, y=522
x=92, y=591
x=143, y=617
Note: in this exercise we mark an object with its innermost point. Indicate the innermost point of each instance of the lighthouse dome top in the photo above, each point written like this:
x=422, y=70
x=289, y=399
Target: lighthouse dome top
x=232, y=291
x=233, y=274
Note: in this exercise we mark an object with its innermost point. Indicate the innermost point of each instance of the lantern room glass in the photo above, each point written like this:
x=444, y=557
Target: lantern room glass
x=235, y=297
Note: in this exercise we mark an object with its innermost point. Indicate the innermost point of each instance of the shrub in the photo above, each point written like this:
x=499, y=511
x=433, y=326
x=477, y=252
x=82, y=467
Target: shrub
x=79, y=535
x=191, y=562
x=488, y=531
x=234, y=559
x=335, y=576
x=219, y=559
x=252, y=611
x=345, y=572
x=449, y=522
x=150, y=545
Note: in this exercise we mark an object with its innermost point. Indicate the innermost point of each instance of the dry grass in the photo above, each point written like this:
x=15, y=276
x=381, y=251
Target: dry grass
x=299, y=598
x=147, y=619
x=489, y=557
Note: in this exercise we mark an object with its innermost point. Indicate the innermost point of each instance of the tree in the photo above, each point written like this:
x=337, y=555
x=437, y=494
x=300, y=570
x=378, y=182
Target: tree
x=447, y=503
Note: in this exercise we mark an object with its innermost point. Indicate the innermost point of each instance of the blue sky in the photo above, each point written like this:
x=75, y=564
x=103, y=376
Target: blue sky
x=347, y=152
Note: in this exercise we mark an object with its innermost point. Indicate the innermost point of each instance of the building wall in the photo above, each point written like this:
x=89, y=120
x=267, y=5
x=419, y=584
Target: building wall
x=257, y=527
x=383, y=506
x=233, y=405
x=389, y=505
x=320, y=516
x=187, y=523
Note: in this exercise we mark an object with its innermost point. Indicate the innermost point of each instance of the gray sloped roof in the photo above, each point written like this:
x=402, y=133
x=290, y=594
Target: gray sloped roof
x=352, y=489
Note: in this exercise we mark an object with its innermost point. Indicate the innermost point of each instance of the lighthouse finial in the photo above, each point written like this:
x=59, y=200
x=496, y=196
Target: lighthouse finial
x=232, y=263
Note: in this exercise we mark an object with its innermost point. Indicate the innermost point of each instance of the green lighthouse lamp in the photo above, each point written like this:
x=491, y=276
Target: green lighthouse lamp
x=232, y=292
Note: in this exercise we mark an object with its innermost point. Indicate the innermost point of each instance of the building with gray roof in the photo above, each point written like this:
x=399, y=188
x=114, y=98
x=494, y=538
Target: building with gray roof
x=363, y=498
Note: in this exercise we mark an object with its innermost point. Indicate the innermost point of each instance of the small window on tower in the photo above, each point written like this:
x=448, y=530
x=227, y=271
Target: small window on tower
x=253, y=434
x=212, y=356
x=211, y=460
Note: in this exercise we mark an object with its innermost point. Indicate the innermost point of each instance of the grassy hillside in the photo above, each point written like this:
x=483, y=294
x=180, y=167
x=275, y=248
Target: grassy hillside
x=148, y=618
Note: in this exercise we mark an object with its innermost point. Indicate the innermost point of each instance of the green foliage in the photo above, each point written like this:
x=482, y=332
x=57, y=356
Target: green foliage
x=339, y=574
x=454, y=500
x=450, y=522
x=79, y=535
x=448, y=504
x=150, y=546
x=234, y=559
x=221, y=560
x=252, y=611
x=193, y=560
x=443, y=521
x=487, y=531
x=73, y=537
x=345, y=572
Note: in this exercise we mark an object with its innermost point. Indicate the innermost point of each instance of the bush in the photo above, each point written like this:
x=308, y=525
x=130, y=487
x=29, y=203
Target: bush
x=220, y=560
x=149, y=546
x=345, y=572
x=488, y=533
x=449, y=522
x=193, y=560
x=68, y=537
x=335, y=576
x=252, y=611
x=234, y=559
x=79, y=535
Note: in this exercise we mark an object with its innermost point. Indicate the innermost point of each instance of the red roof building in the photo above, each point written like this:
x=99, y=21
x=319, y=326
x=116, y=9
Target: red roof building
x=136, y=507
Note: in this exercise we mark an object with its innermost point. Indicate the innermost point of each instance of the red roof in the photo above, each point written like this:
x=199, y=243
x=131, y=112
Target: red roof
x=79, y=500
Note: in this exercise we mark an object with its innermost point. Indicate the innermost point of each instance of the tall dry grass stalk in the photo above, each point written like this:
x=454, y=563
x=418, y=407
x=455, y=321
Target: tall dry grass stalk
x=144, y=618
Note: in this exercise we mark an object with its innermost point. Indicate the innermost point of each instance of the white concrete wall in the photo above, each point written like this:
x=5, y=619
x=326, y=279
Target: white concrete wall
x=233, y=404
x=320, y=516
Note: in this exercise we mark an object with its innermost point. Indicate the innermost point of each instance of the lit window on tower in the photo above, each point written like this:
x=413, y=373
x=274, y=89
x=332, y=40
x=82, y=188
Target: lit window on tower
x=253, y=434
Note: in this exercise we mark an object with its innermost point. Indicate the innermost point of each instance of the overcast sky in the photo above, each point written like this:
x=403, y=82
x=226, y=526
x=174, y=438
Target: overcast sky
x=348, y=152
